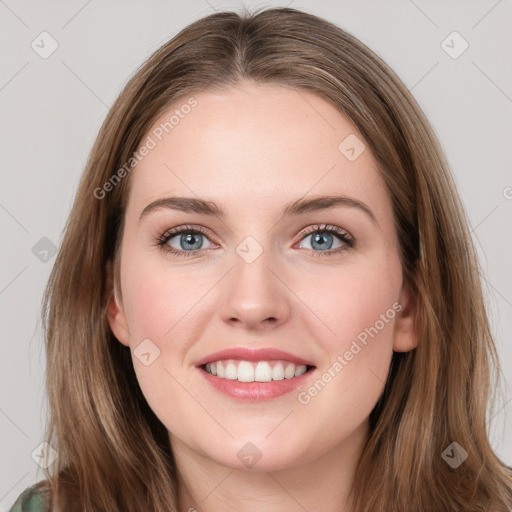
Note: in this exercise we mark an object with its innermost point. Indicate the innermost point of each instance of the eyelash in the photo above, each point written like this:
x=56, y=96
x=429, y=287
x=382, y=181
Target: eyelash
x=343, y=235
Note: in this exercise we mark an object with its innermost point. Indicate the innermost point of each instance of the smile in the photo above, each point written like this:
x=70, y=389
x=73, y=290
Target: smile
x=255, y=371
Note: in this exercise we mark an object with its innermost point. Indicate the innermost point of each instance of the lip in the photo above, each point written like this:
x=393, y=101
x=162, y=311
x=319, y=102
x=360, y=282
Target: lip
x=252, y=354
x=256, y=391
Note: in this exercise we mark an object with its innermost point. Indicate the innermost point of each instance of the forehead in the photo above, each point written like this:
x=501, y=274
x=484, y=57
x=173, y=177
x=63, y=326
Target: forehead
x=258, y=146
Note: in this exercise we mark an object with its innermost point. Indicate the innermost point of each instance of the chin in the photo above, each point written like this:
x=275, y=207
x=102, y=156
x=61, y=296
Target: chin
x=257, y=454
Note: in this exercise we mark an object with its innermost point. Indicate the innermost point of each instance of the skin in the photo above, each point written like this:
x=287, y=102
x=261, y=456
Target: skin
x=253, y=149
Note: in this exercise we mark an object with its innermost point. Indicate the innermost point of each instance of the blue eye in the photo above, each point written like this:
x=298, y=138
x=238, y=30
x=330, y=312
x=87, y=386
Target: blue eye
x=190, y=240
x=187, y=237
x=322, y=238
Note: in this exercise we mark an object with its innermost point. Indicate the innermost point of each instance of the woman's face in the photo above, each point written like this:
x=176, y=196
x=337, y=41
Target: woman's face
x=267, y=275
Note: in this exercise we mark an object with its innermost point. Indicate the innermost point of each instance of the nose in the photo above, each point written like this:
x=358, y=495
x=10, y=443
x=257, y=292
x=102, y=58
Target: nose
x=255, y=295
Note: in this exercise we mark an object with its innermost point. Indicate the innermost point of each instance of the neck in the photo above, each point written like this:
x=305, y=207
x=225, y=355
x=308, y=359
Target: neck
x=320, y=484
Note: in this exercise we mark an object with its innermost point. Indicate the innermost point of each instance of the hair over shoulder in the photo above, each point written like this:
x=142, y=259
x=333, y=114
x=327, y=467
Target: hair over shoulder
x=114, y=453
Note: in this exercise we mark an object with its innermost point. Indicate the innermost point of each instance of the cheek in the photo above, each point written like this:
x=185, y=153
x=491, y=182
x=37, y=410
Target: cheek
x=359, y=305
x=342, y=301
x=167, y=308
x=158, y=300
x=354, y=298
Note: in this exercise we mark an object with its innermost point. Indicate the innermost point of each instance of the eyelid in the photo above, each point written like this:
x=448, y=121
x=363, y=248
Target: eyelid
x=306, y=231
x=178, y=230
x=348, y=241
x=331, y=228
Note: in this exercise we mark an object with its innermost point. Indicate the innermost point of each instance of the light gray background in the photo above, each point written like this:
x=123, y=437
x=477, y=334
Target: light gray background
x=51, y=110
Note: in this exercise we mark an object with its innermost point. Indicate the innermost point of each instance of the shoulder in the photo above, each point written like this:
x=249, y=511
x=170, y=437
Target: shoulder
x=31, y=499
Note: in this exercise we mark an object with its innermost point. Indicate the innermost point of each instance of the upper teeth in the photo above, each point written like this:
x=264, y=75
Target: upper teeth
x=248, y=371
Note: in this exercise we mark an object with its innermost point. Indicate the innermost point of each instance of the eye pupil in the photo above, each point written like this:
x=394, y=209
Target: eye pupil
x=320, y=239
x=188, y=237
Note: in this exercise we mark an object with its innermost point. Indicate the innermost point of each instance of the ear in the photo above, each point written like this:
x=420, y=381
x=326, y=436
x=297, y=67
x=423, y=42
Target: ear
x=115, y=311
x=405, y=330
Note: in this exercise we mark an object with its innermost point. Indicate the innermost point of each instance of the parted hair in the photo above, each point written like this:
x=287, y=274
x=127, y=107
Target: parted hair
x=113, y=452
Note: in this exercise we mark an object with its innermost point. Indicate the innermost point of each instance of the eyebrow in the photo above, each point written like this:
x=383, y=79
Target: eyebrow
x=297, y=207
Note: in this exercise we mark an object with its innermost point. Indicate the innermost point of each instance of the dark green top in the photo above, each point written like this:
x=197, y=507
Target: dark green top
x=30, y=500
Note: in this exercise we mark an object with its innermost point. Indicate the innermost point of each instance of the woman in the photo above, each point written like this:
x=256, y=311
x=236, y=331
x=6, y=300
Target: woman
x=259, y=370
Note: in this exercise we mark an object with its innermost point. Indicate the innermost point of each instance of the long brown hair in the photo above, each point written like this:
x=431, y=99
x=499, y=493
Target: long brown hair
x=114, y=453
